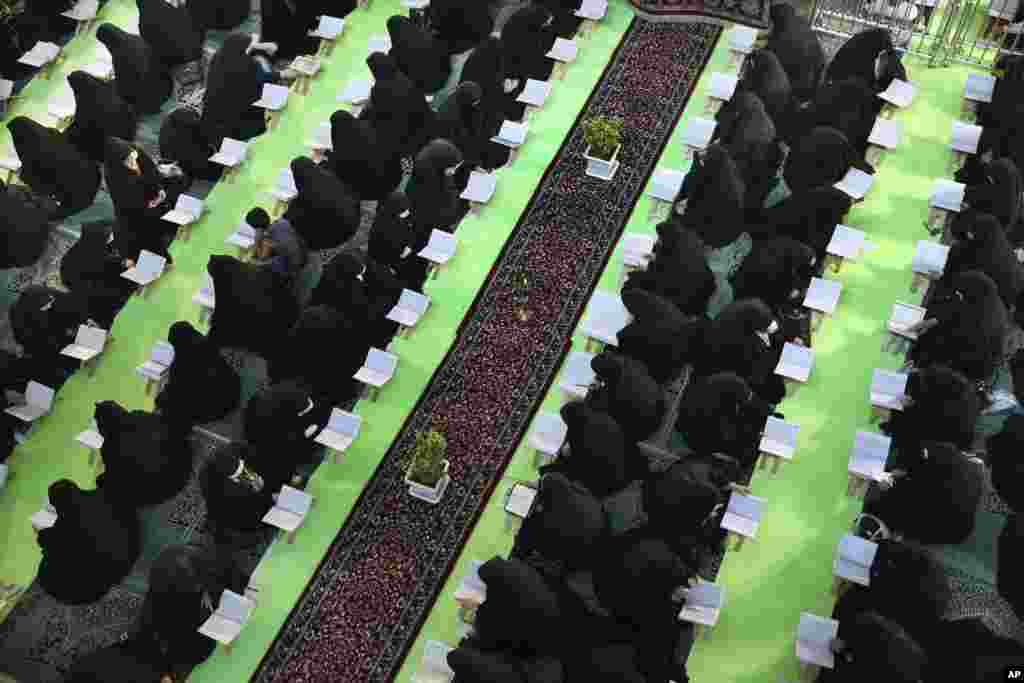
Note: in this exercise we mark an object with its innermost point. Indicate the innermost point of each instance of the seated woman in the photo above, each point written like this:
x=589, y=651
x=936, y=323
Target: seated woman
x=24, y=226
x=393, y=232
x=234, y=82
x=994, y=187
x=655, y=316
x=486, y=67
x=527, y=37
x=100, y=113
x=92, y=269
x=517, y=596
x=629, y=394
x=44, y=20
x=778, y=271
x=185, y=585
x=459, y=25
x=746, y=129
x=356, y=158
x=566, y=23
x=53, y=167
x=281, y=424
x=147, y=458
x=808, y=216
x=1004, y=459
x=715, y=194
x=796, y=45
x=567, y=522
x=323, y=351
x=638, y=579
x=288, y=24
x=432, y=190
x=117, y=662
x=935, y=499
x=89, y=533
x=465, y=121
x=171, y=31
x=141, y=196
x=343, y=287
x=142, y=79
x=684, y=502
x=201, y=387
x=964, y=328
x=870, y=57
x=597, y=450
x=325, y=214
x=182, y=142
x=764, y=76
x=941, y=406
x=235, y=494
x=219, y=15
x=820, y=157
x=254, y=309
x=419, y=55
x=981, y=246
x=872, y=647
x=850, y=107
x=43, y=322
x=397, y=109
x=742, y=339
x=721, y=414
x=278, y=247
x=908, y=587
x=679, y=270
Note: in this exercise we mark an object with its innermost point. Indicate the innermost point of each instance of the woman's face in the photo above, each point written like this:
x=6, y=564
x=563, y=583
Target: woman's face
x=131, y=162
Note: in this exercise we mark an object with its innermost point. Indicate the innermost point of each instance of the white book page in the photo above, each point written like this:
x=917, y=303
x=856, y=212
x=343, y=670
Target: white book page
x=535, y=93
x=520, y=499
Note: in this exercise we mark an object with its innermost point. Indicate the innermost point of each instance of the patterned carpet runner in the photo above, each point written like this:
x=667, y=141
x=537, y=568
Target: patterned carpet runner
x=381, y=575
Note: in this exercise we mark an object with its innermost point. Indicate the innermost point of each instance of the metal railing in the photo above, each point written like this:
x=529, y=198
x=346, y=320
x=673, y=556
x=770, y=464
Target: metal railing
x=945, y=32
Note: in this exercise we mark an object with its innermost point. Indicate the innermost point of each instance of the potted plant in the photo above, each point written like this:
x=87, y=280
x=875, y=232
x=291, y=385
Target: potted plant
x=428, y=473
x=603, y=135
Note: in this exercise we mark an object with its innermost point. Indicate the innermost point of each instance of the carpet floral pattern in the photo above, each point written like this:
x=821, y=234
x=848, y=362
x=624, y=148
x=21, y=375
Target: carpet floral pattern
x=750, y=12
x=371, y=593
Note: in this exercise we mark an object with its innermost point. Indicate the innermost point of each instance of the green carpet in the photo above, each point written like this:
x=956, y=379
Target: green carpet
x=788, y=569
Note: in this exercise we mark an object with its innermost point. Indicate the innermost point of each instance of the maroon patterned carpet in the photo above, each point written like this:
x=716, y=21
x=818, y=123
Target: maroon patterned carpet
x=382, y=574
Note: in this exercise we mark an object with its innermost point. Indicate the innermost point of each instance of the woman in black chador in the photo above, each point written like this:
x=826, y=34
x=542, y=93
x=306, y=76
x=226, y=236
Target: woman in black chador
x=357, y=159
x=201, y=386
x=236, y=496
x=233, y=84
x=90, y=548
x=24, y=225
x=100, y=112
x=171, y=31
x=325, y=213
x=418, y=54
x=142, y=79
x=53, y=167
x=92, y=269
x=255, y=307
x=147, y=458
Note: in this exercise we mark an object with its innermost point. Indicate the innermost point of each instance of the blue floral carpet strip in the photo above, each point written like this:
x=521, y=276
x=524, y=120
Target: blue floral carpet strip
x=380, y=577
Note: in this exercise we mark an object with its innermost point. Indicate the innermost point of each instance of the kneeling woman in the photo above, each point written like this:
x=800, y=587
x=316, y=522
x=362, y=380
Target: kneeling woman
x=235, y=494
x=201, y=386
x=89, y=533
x=147, y=459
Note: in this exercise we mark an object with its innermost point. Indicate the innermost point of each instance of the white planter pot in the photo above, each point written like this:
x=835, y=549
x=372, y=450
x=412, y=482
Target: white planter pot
x=430, y=494
x=605, y=169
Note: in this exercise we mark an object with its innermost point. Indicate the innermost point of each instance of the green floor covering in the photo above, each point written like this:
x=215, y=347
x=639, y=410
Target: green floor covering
x=51, y=452
x=788, y=569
